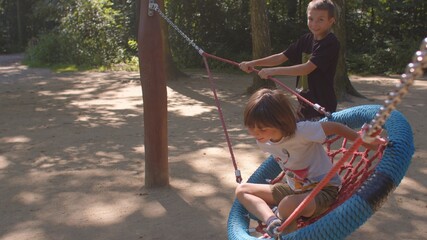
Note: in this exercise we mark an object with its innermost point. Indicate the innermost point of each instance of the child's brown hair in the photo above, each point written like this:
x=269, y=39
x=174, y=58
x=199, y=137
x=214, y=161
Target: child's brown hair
x=271, y=108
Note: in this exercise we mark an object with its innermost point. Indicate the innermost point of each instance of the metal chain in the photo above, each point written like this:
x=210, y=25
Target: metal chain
x=412, y=71
x=155, y=7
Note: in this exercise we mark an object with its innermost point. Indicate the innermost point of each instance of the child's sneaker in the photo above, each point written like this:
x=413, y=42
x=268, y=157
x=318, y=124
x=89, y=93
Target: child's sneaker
x=273, y=223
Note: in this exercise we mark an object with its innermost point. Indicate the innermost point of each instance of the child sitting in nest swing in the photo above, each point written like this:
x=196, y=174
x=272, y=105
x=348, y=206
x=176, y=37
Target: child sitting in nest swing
x=297, y=147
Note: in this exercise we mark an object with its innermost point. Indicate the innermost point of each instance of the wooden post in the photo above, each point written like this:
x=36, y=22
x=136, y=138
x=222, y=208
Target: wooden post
x=153, y=82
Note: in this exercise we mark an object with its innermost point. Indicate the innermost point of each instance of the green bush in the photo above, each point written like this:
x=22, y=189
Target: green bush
x=91, y=34
x=49, y=49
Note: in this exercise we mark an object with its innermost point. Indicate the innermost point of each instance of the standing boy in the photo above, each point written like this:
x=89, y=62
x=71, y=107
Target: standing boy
x=316, y=55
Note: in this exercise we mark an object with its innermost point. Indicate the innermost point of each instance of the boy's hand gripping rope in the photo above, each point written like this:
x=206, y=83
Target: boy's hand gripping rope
x=315, y=106
x=413, y=71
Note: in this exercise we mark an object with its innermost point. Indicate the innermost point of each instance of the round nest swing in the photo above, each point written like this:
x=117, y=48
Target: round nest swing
x=350, y=212
x=361, y=194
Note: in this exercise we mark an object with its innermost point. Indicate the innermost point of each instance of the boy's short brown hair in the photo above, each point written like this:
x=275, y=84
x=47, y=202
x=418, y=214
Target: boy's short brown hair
x=327, y=5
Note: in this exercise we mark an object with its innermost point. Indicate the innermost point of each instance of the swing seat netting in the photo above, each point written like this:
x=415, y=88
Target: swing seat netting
x=366, y=182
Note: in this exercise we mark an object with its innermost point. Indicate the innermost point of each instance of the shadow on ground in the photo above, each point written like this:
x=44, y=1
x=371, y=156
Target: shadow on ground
x=72, y=158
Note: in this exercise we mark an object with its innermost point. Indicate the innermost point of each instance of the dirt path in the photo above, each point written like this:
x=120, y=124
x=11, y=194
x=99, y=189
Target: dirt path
x=71, y=158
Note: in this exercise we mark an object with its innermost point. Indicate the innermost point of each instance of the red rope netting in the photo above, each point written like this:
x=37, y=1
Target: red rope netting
x=353, y=172
x=356, y=170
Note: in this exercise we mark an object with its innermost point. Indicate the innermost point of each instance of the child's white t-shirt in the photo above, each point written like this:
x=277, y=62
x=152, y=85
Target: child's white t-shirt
x=302, y=156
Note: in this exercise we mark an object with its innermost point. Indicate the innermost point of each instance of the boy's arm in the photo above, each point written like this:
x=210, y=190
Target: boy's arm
x=334, y=128
x=295, y=70
x=269, y=61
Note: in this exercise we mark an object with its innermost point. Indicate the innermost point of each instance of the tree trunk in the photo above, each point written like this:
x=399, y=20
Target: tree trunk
x=153, y=82
x=19, y=24
x=342, y=82
x=261, y=43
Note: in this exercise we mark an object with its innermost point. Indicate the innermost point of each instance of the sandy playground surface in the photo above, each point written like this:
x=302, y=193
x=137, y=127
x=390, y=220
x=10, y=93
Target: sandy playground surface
x=72, y=157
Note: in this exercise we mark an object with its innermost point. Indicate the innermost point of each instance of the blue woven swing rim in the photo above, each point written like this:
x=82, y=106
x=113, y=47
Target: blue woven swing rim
x=355, y=211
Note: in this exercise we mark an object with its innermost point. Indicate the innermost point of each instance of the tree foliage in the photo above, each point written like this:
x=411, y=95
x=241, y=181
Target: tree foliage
x=98, y=31
x=89, y=33
x=80, y=32
x=218, y=27
x=384, y=34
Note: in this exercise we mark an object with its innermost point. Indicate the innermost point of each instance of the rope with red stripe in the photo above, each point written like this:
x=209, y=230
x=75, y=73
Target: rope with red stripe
x=221, y=116
x=316, y=106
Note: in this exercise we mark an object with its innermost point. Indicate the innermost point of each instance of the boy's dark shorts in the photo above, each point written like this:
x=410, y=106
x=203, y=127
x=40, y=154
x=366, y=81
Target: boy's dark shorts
x=325, y=198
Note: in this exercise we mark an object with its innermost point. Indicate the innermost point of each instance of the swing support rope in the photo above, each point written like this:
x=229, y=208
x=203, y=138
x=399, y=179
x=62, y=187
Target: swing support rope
x=213, y=88
x=316, y=106
x=155, y=7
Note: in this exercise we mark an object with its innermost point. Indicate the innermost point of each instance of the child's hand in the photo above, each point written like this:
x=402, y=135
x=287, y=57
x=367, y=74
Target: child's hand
x=378, y=141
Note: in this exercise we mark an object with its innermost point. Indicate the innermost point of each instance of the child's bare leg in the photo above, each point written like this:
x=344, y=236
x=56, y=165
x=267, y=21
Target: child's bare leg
x=293, y=226
x=287, y=206
x=256, y=198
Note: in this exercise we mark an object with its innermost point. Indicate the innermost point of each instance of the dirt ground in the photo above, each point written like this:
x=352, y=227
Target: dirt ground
x=72, y=157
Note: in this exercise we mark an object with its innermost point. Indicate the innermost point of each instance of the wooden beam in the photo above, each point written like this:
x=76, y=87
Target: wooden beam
x=153, y=82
